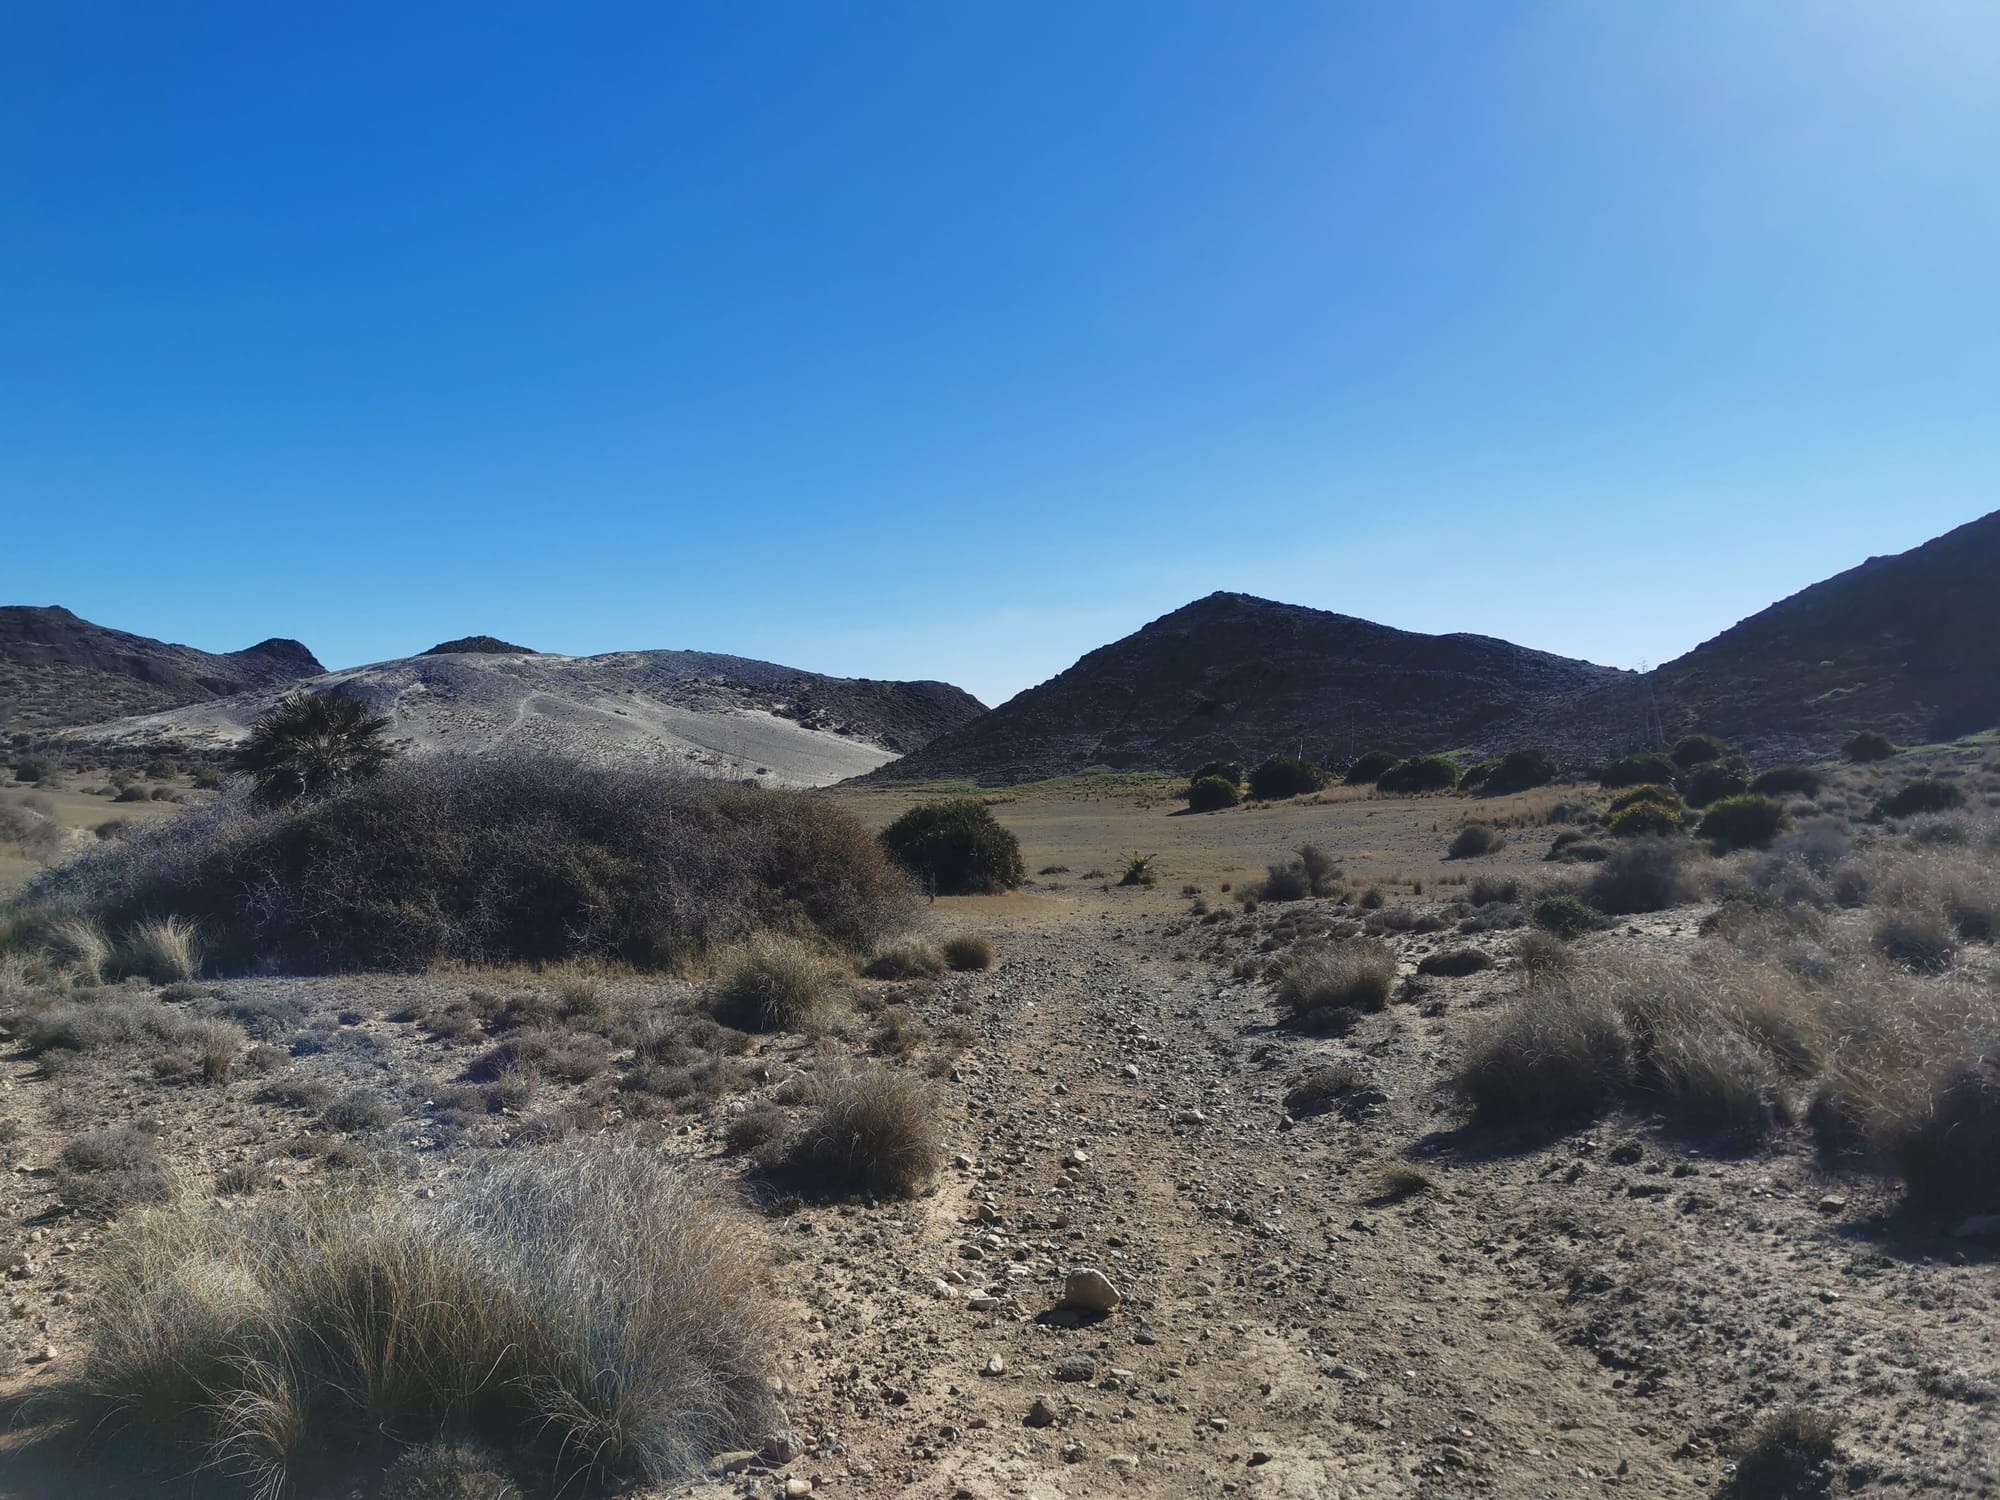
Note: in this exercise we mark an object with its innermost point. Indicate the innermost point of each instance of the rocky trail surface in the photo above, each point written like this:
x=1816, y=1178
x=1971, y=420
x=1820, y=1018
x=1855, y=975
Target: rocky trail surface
x=1594, y=1315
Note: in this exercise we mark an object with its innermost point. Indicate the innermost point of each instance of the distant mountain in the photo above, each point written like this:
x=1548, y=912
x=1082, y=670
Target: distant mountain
x=1908, y=645
x=1238, y=677
x=714, y=714
x=478, y=645
x=58, y=669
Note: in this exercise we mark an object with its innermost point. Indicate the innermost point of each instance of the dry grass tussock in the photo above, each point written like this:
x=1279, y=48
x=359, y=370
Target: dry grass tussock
x=1894, y=1070
x=590, y=1313
x=969, y=952
x=1314, y=987
x=777, y=984
x=873, y=1130
x=914, y=960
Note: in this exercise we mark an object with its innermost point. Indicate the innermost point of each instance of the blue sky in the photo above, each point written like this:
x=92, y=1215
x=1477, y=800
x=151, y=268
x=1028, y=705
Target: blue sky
x=953, y=340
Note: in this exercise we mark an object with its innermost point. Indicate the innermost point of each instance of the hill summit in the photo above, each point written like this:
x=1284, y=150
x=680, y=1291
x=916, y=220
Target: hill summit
x=1236, y=677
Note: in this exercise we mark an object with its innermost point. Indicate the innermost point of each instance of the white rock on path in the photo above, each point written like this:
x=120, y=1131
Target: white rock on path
x=1089, y=1290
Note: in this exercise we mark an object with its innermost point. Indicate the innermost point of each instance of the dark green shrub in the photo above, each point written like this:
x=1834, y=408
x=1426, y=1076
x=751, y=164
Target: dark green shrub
x=1520, y=771
x=1455, y=963
x=1637, y=769
x=1475, y=839
x=1714, y=781
x=1476, y=776
x=1643, y=875
x=1923, y=796
x=1368, y=766
x=1949, y=1156
x=35, y=768
x=1650, y=791
x=1283, y=776
x=1743, y=822
x=1699, y=749
x=1564, y=916
x=1211, y=794
x=311, y=744
x=1647, y=819
x=1867, y=746
x=1424, y=773
x=497, y=859
x=1787, y=781
x=955, y=847
x=1230, y=771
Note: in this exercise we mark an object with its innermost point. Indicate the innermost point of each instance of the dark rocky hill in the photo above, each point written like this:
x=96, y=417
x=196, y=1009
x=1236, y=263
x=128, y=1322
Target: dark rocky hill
x=478, y=645
x=58, y=669
x=1908, y=645
x=1239, y=677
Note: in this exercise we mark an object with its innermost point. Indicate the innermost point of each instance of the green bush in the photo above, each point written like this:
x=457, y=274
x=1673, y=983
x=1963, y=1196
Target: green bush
x=1697, y=750
x=1230, y=771
x=1637, y=769
x=1787, y=781
x=1922, y=796
x=956, y=847
x=1743, y=822
x=1368, y=766
x=1867, y=746
x=1715, y=780
x=1211, y=794
x=1650, y=791
x=1282, y=776
x=1643, y=819
x=1564, y=916
x=1520, y=771
x=1424, y=773
x=496, y=859
x=1477, y=775
x=1642, y=875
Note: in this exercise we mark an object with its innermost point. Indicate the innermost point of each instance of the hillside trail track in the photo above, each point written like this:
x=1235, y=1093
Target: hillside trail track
x=1312, y=1340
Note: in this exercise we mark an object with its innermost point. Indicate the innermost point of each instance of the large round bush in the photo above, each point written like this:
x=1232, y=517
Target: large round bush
x=955, y=847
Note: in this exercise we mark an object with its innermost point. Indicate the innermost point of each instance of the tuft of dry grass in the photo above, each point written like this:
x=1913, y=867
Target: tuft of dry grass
x=589, y=1312
x=777, y=984
x=1789, y=1457
x=1474, y=840
x=106, y=1172
x=873, y=1130
x=166, y=950
x=1355, y=976
x=906, y=961
x=969, y=951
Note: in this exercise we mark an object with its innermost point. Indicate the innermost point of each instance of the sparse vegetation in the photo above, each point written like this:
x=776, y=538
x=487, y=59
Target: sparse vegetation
x=1643, y=874
x=1787, y=781
x=955, y=847
x=1789, y=1457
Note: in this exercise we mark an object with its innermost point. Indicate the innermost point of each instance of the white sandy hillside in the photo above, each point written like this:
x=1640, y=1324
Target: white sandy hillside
x=717, y=715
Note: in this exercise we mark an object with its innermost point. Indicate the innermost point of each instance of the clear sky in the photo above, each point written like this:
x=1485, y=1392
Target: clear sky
x=954, y=339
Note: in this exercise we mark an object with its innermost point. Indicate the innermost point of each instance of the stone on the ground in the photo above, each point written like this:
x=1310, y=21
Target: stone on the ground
x=1090, y=1290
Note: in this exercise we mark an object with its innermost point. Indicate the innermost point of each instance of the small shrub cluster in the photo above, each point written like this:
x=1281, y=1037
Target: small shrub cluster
x=1638, y=769
x=779, y=984
x=912, y=960
x=1230, y=771
x=1746, y=821
x=1787, y=781
x=969, y=951
x=1868, y=746
x=1921, y=796
x=1311, y=872
x=873, y=1131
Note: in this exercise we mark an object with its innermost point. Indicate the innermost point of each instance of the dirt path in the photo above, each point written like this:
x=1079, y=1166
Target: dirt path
x=1285, y=1332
